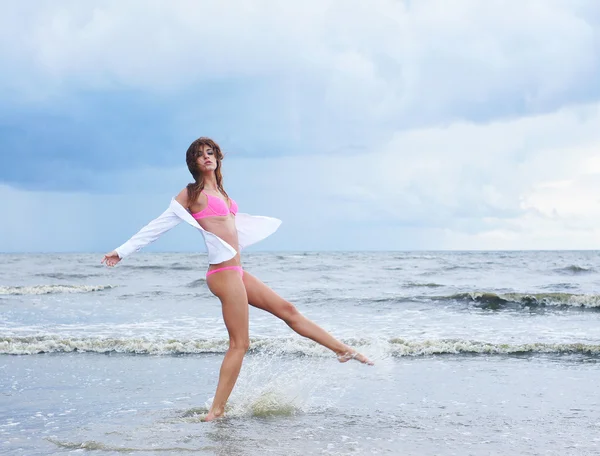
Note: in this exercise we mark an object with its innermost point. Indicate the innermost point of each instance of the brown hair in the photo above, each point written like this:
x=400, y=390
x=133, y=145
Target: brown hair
x=191, y=157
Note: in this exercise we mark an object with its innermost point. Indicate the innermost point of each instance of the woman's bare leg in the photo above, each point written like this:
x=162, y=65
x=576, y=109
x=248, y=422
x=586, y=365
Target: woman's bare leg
x=229, y=288
x=261, y=296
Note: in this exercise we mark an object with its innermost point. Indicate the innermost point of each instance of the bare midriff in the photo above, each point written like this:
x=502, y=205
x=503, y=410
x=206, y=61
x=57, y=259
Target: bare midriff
x=223, y=227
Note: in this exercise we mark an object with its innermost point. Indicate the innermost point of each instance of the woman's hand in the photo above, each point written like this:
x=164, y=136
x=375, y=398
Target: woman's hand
x=111, y=258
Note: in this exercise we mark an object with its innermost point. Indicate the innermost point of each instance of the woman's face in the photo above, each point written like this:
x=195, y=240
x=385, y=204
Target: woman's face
x=207, y=159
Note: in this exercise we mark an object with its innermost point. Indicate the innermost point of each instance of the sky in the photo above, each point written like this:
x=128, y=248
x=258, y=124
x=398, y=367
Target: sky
x=380, y=125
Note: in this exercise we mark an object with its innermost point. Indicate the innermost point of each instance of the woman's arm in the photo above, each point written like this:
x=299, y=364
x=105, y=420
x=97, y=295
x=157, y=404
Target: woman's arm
x=148, y=234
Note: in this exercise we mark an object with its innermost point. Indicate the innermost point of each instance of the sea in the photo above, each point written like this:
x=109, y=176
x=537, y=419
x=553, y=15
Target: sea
x=476, y=353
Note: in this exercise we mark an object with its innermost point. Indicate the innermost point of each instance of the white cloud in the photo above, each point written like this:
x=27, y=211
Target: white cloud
x=522, y=183
x=391, y=59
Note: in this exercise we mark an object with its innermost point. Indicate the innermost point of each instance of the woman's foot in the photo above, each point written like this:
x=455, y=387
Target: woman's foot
x=347, y=356
x=214, y=414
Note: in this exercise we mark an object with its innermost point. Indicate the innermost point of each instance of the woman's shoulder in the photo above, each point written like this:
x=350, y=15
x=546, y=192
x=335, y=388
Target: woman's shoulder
x=183, y=198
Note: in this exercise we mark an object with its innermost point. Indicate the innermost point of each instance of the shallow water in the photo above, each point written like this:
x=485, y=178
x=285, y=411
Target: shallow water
x=476, y=353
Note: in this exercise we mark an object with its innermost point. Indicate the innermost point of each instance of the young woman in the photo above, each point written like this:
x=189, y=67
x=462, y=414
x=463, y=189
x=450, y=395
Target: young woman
x=205, y=205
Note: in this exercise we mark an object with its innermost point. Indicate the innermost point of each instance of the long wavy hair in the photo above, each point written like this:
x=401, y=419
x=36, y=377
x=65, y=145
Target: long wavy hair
x=191, y=158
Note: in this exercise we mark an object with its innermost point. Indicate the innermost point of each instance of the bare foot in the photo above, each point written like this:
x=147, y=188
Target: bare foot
x=343, y=357
x=214, y=414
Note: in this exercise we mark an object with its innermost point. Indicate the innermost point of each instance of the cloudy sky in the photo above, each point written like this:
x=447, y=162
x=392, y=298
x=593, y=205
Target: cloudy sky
x=387, y=124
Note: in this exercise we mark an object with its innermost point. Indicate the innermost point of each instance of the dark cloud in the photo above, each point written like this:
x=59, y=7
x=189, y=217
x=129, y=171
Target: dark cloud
x=54, y=145
x=91, y=132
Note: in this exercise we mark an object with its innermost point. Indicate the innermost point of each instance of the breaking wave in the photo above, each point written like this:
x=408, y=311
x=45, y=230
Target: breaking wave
x=499, y=300
x=281, y=346
x=574, y=270
x=47, y=289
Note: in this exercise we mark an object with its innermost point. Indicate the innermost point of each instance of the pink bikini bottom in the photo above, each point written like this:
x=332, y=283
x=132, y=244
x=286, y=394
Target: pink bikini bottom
x=226, y=268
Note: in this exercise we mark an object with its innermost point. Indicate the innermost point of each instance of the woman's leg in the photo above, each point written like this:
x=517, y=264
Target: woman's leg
x=261, y=296
x=229, y=288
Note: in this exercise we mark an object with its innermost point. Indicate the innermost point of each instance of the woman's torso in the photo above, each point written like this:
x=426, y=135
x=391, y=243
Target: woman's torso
x=217, y=215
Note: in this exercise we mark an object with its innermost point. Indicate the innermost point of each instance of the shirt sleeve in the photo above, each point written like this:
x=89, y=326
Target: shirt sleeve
x=149, y=233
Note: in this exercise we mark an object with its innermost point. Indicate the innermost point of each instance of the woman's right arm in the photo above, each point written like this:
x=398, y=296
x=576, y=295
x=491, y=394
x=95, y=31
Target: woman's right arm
x=148, y=234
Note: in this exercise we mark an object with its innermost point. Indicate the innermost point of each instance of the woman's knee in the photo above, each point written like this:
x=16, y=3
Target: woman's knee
x=240, y=344
x=289, y=313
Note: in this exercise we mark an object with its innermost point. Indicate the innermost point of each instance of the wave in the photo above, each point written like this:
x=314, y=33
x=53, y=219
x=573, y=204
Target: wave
x=574, y=270
x=458, y=346
x=62, y=276
x=47, y=289
x=499, y=300
x=94, y=445
x=561, y=286
x=422, y=285
x=158, y=267
x=30, y=345
x=197, y=283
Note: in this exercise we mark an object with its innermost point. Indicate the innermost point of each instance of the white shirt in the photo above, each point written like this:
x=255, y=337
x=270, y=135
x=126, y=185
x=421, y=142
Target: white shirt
x=250, y=229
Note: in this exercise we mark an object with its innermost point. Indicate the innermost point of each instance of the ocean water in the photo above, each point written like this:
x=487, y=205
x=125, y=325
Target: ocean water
x=477, y=353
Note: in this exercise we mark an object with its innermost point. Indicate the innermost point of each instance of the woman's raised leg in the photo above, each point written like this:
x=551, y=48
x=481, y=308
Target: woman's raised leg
x=263, y=297
x=229, y=288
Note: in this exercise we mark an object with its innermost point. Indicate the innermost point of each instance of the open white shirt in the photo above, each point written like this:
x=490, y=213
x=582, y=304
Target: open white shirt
x=250, y=228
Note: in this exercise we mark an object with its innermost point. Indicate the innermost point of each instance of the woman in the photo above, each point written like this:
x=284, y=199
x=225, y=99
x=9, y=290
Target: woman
x=205, y=205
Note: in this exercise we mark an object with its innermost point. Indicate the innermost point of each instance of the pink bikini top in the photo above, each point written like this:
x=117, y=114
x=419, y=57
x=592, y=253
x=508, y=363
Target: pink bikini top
x=216, y=207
